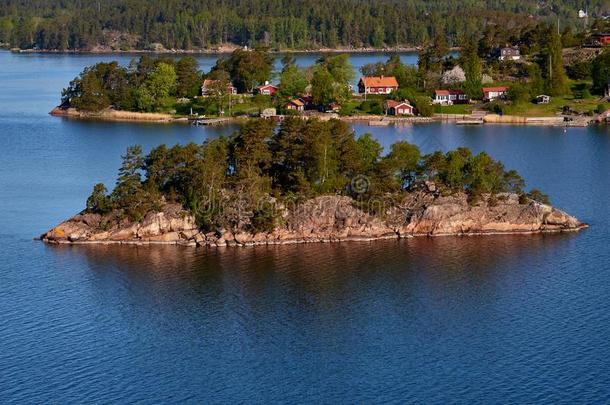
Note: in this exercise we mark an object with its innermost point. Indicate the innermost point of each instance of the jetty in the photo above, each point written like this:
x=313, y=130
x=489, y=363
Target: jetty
x=209, y=121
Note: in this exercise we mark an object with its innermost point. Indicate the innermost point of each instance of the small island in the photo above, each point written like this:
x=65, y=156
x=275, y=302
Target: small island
x=306, y=181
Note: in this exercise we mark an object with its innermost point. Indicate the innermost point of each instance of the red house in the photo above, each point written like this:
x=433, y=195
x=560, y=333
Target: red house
x=449, y=97
x=393, y=107
x=601, y=39
x=377, y=84
x=267, y=89
x=493, y=93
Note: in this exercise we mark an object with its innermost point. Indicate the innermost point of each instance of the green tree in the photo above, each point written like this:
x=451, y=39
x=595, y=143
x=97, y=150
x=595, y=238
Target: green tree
x=519, y=93
x=551, y=58
x=369, y=151
x=292, y=82
x=98, y=201
x=454, y=173
x=188, y=77
x=600, y=72
x=248, y=68
x=403, y=161
x=161, y=83
x=471, y=63
x=129, y=182
x=339, y=68
x=322, y=86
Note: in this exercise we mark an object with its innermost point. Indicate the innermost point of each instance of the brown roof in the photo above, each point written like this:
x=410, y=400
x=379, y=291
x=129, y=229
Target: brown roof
x=379, y=81
x=297, y=102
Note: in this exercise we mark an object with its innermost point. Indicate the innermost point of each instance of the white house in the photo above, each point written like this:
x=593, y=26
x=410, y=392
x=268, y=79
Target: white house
x=493, y=93
x=510, y=53
x=449, y=97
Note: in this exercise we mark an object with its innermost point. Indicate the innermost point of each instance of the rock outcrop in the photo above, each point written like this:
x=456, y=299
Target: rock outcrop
x=331, y=218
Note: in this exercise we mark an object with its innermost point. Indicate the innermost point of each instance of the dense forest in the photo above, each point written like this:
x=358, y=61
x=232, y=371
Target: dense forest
x=259, y=168
x=280, y=24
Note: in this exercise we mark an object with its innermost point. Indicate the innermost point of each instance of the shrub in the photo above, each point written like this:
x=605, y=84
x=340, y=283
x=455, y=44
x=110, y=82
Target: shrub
x=265, y=218
x=423, y=106
x=495, y=108
x=601, y=108
x=371, y=107
x=538, y=196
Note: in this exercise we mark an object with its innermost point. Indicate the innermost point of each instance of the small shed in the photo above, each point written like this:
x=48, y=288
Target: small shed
x=268, y=113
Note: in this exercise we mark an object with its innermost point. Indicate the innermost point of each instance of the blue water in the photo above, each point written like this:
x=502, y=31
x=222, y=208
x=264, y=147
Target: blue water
x=499, y=319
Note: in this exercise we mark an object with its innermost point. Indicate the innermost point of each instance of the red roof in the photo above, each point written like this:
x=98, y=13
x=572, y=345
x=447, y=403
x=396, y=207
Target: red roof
x=266, y=86
x=379, y=81
x=497, y=88
x=448, y=92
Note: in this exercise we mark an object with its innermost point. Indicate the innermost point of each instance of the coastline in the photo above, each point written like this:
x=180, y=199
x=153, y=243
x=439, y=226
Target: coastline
x=373, y=120
x=348, y=239
x=326, y=219
x=224, y=51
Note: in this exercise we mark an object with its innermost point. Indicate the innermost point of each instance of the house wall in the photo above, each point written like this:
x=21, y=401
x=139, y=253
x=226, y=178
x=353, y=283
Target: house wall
x=376, y=90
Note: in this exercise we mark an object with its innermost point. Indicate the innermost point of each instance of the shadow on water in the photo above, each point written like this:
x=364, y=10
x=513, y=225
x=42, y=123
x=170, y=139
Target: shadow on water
x=320, y=272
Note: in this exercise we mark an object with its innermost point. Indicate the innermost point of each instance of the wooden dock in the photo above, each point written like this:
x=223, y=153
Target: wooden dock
x=209, y=121
x=469, y=122
x=379, y=123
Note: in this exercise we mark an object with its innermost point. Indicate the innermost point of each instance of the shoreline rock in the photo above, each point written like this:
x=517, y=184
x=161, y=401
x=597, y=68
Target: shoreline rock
x=328, y=219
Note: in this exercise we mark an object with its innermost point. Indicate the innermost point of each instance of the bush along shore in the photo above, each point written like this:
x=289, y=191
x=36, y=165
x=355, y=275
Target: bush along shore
x=309, y=181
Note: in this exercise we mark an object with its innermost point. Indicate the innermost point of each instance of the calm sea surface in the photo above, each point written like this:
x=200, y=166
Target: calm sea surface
x=501, y=319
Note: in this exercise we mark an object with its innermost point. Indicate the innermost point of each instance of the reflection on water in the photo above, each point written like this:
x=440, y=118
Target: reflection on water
x=316, y=267
x=406, y=317
x=496, y=319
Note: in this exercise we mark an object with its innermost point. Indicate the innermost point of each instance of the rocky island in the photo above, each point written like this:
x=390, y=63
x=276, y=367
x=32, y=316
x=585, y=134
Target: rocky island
x=309, y=181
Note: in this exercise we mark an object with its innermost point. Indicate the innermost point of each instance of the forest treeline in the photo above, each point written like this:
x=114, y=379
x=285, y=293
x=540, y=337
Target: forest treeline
x=245, y=177
x=282, y=24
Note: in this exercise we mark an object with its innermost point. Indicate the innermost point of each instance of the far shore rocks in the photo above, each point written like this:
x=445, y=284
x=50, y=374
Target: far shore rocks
x=330, y=218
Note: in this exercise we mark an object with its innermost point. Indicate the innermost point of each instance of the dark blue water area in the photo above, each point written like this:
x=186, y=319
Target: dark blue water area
x=497, y=319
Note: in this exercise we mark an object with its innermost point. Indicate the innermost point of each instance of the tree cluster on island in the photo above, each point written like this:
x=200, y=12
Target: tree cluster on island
x=205, y=24
x=259, y=166
x=541, y=69
x=168, y=85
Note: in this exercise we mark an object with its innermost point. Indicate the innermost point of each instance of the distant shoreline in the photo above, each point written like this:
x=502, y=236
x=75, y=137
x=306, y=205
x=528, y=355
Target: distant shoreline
x=223, y=51
x=372, y=120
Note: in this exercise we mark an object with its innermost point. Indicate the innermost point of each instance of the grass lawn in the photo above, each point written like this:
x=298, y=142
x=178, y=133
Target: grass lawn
x=580, y=101
x=555, y=107
x=207, y=107
x=453, y=109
